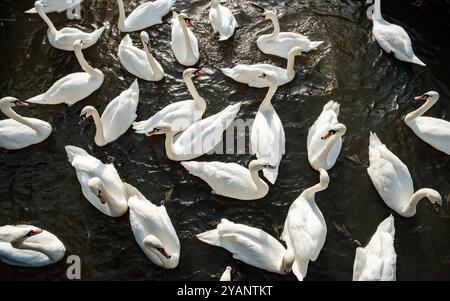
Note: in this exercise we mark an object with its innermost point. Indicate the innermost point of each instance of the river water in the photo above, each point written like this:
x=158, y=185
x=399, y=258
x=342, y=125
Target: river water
x=39, y=186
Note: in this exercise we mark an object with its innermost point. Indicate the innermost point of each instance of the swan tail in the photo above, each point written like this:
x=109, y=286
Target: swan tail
x=40, y=99
x=73, y=151
x=228, y=72
x=210, y=237
x=387, y=226
x=97, y=33
x=145, y=126
x=315, y=44
x=31, y=11
x=417, y=61
x=134, y=88
x=300, y=268
x=374, y=145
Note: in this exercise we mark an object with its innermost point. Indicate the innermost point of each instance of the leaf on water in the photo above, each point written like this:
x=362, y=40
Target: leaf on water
x=342, y=229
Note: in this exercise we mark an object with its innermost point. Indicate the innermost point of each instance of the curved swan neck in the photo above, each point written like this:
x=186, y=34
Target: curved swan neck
x=330, y=144
x=256, y=179
x=377, y=10
x=290, y=63
x=310, y=192
x=420, y=111
x=276, y=27
x=199, y=101
x=187, y=41
x=8, y=111
x=112, y=204
x=83, y=63
x=47, y=20
x=168, y=144
x=267, y=102
x=416, y=198
x=99, y=134
x=121, y=24
x=151, y=59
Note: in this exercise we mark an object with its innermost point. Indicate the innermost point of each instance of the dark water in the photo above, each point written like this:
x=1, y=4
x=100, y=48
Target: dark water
x=38, y=185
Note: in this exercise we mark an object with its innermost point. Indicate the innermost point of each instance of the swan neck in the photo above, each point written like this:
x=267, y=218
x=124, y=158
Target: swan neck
x=24, y=245
x=267, y=102
x=256, y=179
x=99, y=134
x=112, y=203
x=290, y=63
x=310, y=192
x=276, y=28
x=47, y=20
x=420, y=111
x=13, y=115
x=187, y=41
x=121, y=24
x=151, y=60
x=83, y=63
x=168, y=143
x=199, y=101
x=377, y=10
x=416, y=198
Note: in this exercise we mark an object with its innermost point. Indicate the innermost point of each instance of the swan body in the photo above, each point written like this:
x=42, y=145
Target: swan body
x=29, y=246
x=324, y=140
x=184, y=43
x=100, y=183
x=267, y=137
x=250, y=74
x=140, y=63
x=250, y=245
x=230, y=179
x=222, y=20
x=180, y=115
x=393, y=182
x=305, y=228
x=433, y=131
x=145, y=15
x=377, y=261
x=64, y=38
x=19, y=132
x=118, y=116
x=153, y=230
x=200, y=137
x=72, y=87
x=280, y=43
x=72, y=8
x=393, y=38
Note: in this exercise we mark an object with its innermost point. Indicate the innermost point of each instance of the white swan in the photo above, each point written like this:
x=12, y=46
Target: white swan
x=73, y=87
x=200, y=137
x=100, y=183
x=19, y=132
x=433, y=131
x=29, y=246
x=72, y=8
x=145, y=15
x=140, y=63
x=180, y=115
x=222, y=20
x=393, y=182
x=267, y=138
x=230, y=179
x=305, y=228
x=324, y=140
x=184, y=43
x=117, y=117
x=280, y=43
x=226, y=276
x=249, y=74
x=393, y=38
x=153, y=230
x=377, y=261
x=250, y=245
x=64, y=38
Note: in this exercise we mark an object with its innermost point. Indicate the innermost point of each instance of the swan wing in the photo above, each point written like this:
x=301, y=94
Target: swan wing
x=120, y=113
x=223, y=21
x=434, y=131
x=249, y=74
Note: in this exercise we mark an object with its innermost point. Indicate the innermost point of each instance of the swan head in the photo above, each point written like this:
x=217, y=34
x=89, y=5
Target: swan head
x=182, y=17
x=296, y=51
x=269, y=76
x=39, y=6
x=215, y=2
x=435, y=199
x=269, y=14
x=288, y=260
x=85, y=113
x=144, y=37
x=190, y=72
x=10, y=101
x=257, y=165
x=162, y=127
x=432, y=95
x=337, y=129
x=78, y=44
x=95, y=185
x=17, y=234
x=153, y=244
